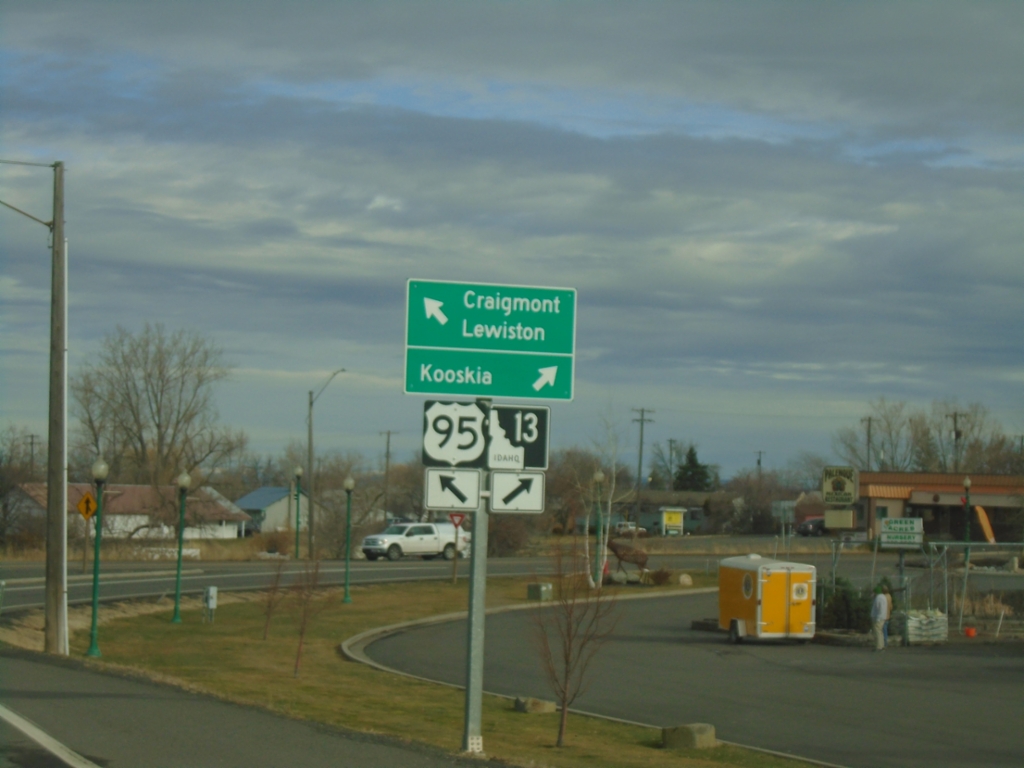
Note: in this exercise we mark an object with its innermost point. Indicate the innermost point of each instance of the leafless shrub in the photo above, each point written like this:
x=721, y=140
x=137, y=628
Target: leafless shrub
x=307, y=603
x=273, y=597
x=570, y=632
x=661, y=577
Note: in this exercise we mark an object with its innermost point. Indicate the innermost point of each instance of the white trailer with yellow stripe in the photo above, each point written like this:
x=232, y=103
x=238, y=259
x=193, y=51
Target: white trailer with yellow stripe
x=765, y=598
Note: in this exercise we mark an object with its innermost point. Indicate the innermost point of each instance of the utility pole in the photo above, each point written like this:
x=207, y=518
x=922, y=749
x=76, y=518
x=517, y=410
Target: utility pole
x=55, y=632
x=671, y=464
x=387, y=466
x=868, y=420
x=640, y=458
x=956, y=439
x=32, y=456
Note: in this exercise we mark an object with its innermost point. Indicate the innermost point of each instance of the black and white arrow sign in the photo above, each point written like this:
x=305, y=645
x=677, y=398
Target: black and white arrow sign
x=452, y=489
x=517, y=492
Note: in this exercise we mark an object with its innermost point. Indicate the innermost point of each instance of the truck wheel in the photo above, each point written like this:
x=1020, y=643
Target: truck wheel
x=371, y=557
x=394, y=552
x=734, y=632
x=449, y=552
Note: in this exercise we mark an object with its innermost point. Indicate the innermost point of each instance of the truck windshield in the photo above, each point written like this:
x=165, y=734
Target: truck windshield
x=396, y=530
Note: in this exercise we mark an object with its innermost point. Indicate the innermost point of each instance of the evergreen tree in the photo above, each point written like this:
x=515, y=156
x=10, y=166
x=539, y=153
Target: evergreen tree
x=691, y=475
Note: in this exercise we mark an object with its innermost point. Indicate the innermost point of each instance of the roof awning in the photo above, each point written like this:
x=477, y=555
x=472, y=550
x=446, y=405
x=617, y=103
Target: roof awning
x=890, y=492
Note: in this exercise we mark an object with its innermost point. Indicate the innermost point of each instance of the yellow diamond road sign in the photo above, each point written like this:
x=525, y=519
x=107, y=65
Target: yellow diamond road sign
x=87, y=505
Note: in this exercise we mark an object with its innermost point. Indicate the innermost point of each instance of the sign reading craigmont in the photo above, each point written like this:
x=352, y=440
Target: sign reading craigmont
x=839, y=485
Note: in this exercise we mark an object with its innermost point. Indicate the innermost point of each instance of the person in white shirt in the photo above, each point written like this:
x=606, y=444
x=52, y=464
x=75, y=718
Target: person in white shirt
x=879, y=615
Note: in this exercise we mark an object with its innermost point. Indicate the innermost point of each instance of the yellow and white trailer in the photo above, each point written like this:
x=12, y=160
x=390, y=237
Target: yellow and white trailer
x=765, y=598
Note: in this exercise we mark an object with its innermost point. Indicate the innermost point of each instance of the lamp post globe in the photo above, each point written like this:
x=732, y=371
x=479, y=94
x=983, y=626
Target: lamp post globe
x=350, y=484
x=100, y=470
x=184, y=481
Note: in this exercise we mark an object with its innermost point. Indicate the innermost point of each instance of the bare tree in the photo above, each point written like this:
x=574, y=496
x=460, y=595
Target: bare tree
x=804, y=472
x=147, y=405
x=571, y=632
x=307, y=603
x=947, y=438
x=18, y=449
x=273, y=597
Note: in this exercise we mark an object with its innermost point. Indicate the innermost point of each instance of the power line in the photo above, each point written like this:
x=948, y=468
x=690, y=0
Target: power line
x=868, y=419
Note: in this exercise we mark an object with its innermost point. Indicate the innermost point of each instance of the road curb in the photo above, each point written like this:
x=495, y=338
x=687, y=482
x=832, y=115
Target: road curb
x=354, y=649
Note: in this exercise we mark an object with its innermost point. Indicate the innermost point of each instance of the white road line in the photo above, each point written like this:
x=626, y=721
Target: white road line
x=44, y=740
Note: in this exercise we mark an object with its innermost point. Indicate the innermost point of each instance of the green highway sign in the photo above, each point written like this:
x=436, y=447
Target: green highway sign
x=483, y=340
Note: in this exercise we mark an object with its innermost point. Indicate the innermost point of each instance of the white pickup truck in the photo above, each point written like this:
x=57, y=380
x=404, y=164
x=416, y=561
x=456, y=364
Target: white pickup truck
x=427, y=540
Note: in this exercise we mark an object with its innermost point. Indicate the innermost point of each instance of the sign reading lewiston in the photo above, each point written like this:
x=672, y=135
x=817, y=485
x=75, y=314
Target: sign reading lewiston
x=487, y=340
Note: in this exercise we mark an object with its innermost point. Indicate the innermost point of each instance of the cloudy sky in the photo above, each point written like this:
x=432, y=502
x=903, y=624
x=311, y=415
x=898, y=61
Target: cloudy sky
x=772, y=212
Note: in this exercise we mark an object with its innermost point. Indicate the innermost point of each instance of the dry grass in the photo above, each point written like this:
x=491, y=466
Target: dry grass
x=229, y=659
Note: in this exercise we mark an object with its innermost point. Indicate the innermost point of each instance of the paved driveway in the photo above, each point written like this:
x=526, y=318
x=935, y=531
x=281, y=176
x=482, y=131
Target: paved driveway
x=958, y=705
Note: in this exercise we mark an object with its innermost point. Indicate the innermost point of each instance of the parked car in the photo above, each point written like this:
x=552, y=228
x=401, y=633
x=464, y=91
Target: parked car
x=812, y=526
x=628, y=528
x=427, y=540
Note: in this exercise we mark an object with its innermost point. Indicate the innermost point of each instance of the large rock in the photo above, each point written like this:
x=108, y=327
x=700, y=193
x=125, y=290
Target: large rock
x=535, y=706
x=617, y=577
x=685, y=580
x=692, y=736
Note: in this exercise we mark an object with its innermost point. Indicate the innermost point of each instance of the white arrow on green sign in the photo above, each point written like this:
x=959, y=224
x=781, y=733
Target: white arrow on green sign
x=485, y=340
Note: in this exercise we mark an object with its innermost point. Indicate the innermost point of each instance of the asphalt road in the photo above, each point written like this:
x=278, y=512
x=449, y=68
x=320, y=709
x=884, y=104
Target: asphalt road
x=958, y=705
x=117, y=722
x=126, y=580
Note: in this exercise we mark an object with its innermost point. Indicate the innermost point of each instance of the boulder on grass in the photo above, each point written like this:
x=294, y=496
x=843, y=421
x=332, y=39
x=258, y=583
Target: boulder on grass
x=685, y=580
x=692, y=736
x=533, y=706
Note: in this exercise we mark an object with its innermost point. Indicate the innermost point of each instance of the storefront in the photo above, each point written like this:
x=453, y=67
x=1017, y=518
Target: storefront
x=938, y=499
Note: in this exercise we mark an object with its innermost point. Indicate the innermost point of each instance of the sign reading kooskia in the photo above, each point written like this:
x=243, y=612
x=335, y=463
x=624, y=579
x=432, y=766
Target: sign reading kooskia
x=487, y=340
x=839, y=485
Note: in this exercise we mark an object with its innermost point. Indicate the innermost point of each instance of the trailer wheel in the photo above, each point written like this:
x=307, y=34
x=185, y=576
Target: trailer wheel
x=734, y=632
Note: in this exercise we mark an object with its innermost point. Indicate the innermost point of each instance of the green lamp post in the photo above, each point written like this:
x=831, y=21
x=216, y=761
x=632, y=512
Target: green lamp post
x=349, y=485
x=298, y=493
x=99, y=475
x=184, y=481
x=598, y=481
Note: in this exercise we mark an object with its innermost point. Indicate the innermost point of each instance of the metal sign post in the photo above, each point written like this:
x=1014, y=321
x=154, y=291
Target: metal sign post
x=472, y=738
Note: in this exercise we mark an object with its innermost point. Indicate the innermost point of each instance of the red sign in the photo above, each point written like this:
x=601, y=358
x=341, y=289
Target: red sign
x=456, y=518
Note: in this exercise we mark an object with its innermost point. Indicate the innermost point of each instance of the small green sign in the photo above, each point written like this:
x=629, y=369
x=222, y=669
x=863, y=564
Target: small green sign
x=483, y=340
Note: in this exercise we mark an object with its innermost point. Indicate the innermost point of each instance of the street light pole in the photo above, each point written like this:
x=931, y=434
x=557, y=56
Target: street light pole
x=598, y=548
x=349, y=485
x=298, y=497
x=184, y=481
x=967, y=545
x=99, y=474
x=309, y=456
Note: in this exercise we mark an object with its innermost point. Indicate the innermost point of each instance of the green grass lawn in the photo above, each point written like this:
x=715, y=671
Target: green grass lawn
x=229, y=659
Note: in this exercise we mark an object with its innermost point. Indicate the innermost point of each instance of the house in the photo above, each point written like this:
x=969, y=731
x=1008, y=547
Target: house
x=149, y=512
x=272, y=508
